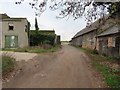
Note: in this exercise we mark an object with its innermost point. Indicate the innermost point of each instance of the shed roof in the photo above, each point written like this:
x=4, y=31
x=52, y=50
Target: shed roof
x=5, y=17
x=2, y=16
x=90, y=28
x=13, y=19
x=109, y=31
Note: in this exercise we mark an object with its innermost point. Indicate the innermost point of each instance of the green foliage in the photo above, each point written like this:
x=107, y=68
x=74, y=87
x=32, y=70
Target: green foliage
x=111, y=76
x=113, y=8
x=110, y=58
x=89, y=50
x=46, y=42
x=42, y=50
x=40, y=38
x=36, y=49
x=8, y=64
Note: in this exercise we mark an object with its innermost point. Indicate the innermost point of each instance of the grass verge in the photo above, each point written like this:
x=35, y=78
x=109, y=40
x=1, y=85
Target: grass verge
x=35, y=49
x=8, y=64
x=112, y=76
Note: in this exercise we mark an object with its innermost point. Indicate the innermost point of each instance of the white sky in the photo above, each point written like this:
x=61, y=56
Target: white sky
x=67, y=28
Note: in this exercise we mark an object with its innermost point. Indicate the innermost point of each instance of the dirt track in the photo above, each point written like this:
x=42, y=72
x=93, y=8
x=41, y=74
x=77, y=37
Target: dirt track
x=67, y=68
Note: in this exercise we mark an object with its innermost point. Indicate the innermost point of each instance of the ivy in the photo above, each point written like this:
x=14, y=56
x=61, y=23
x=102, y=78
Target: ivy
x=40, y=38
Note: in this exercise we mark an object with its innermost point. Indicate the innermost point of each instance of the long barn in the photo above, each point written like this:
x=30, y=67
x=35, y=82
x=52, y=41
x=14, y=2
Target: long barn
x=102, y=35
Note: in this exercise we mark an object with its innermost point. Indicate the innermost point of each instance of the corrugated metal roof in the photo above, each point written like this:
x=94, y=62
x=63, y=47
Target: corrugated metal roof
x=112, y=30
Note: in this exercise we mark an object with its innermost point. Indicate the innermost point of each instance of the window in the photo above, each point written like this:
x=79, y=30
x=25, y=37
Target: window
x=11, y=41
x=111, y=42
x=11, y=26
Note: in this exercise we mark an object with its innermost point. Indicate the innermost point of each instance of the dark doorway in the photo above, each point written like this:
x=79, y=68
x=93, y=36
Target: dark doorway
x=117, y=44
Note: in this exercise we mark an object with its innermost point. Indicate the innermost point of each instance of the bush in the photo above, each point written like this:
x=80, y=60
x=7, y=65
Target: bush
x=95, y=52
x=8, y=64
x=25, y=49
x=118, y=58
x=89, y=50
x=39, y=38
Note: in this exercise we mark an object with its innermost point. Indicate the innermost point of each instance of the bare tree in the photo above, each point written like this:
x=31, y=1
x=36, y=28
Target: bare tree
x=76, y=8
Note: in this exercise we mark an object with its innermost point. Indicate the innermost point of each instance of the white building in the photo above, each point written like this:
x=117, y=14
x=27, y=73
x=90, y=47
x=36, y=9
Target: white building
x=13, y=32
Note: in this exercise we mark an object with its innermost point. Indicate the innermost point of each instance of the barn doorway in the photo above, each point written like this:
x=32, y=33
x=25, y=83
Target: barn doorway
x=118, y=45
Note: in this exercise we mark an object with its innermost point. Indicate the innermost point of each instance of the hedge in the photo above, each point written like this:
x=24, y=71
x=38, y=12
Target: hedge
x=38, y=38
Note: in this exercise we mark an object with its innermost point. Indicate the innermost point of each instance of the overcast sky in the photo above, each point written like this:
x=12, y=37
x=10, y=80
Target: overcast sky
x=67, y=28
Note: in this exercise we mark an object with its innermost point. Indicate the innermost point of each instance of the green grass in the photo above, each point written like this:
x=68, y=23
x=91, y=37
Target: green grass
x=40, y=50
x=34, y=49
x=8, y=64
x=112, y=77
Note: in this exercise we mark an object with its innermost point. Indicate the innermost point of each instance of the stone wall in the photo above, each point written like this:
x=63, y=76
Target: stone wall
x=109, y=45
